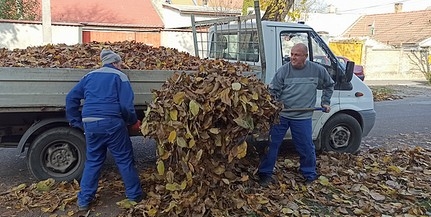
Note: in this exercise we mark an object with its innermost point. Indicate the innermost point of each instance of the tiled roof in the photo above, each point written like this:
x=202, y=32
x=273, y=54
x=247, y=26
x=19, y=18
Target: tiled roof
x=194, y=9
x=394, y=28
x=128, y=12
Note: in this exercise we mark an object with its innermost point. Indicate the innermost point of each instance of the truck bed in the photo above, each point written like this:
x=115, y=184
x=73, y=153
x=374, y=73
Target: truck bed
x=45, y=89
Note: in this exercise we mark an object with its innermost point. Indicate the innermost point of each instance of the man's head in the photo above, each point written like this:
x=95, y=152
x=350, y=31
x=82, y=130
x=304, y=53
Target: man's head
x=108, y=57
x=298, y=55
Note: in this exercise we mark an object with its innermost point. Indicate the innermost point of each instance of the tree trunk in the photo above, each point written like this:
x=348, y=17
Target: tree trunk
x=277, y=10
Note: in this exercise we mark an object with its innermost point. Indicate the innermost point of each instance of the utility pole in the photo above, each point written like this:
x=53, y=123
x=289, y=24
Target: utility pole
x=46, y=22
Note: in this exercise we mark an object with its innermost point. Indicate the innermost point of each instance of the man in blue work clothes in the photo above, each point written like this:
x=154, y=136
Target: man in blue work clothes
x=107, y=113
x=295, y=85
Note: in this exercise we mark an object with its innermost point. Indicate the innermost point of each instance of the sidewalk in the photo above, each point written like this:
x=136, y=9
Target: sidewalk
x=421, y=83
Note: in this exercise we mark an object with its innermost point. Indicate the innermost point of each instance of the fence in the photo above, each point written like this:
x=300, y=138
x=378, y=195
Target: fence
x=392, y=64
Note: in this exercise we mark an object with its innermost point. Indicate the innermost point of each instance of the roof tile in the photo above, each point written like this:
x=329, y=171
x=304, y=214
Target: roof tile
x=131, y=12
x=394, y=28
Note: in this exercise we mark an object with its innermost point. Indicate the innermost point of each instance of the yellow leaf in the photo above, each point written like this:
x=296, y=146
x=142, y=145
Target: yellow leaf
x=183, y=185
x=394, y=168
x=215, y=130
x=160, y=167
x=226, y=181
x=18, y=188
x=70, y=213
x=236, y=86
x=172, y=187
x=173, y=114
x=358, y=211
x=126, y=204
x=242, y=150
x=287, y=211
x=152, y=212
x=246, y=124
x=262, y=200
x=179, y=97
x=192, y=143
x=324, y=181
x=255, y=96
x=172, y=136
x=45, y=185
x=219, y=170
x=199, y=155
x=194, y=107
x=181, y=142
x=172, y=204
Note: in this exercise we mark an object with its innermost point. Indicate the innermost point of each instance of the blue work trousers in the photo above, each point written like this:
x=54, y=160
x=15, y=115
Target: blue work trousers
x=100, y=136
x=302, y=138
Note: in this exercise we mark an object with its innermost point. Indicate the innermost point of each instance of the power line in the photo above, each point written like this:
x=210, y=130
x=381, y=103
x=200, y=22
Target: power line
x=375, y=6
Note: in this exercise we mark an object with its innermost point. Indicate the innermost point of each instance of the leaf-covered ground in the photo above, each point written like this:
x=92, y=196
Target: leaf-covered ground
x=376, y=182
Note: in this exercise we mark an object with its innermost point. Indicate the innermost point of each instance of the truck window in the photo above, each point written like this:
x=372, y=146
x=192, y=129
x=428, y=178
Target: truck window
x=233, y=46
x=315, y=51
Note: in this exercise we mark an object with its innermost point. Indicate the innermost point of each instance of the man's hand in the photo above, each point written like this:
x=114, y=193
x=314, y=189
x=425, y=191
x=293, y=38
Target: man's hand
x=326, y=108
x=135, y=128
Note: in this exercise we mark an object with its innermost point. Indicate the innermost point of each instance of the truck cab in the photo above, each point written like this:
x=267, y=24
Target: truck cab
x=352, y=113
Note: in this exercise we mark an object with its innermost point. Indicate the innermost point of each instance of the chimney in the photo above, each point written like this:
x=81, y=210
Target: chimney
x=398, y=7
x=331, y=9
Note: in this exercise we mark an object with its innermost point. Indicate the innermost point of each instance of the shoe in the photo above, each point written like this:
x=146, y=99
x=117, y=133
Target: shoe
x=83, y=208
x=308, y=181
x=265, y=180
x=140, y=198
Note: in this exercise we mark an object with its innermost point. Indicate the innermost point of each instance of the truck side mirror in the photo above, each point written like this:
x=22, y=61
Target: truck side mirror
x=349, y=70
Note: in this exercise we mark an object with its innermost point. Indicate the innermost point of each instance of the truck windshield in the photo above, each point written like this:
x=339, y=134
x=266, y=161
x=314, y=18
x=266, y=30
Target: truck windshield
x=316, y=53
x=234, y=46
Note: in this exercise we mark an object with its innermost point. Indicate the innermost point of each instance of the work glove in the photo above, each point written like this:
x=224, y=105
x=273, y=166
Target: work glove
x=135, y=128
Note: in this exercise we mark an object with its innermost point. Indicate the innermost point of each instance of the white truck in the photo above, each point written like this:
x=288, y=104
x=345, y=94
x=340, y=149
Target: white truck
x=32, y=100
x=266, y=46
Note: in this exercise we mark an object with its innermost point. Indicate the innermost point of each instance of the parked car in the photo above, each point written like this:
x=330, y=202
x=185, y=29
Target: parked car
x=358, y=70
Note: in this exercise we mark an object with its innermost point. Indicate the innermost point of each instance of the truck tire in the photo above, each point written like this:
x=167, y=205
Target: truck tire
x=58, y=153
x=341, y=133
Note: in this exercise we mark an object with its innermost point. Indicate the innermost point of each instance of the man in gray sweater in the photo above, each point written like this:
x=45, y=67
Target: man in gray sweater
x=295, y=85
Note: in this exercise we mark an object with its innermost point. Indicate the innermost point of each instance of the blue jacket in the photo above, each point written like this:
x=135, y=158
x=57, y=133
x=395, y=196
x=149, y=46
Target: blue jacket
x=106, y=92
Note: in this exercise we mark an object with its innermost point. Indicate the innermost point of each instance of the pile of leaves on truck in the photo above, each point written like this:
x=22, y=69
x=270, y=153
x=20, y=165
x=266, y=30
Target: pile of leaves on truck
x=135, y=55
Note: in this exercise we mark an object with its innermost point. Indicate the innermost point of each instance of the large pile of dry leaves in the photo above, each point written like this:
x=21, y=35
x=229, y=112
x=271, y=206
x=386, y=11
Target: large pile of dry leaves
x=200, y=122
x=135, y=55
x=376, y=183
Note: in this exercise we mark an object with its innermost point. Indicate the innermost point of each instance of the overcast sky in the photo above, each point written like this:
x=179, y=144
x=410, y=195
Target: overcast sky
x=377, y=6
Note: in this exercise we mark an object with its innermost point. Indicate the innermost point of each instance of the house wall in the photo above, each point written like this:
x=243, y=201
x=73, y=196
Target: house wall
x=17, y=35
x=182, y=40
x=391, y=64
x=149, y=38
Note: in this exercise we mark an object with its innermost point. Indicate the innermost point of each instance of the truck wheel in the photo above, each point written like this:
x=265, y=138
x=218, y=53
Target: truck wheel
x=58, y=153
x=341, y=133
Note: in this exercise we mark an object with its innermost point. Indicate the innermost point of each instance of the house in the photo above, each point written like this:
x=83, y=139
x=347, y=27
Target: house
x=401, y=39
x=110, y=20
x=402, y=29
x=231, y=4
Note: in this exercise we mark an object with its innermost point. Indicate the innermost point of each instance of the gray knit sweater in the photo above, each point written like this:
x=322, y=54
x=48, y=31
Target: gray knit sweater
x=297, y=88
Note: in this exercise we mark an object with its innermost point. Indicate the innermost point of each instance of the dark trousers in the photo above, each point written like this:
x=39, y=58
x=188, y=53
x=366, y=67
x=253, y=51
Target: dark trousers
x=302, y=138
x=100, y=136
